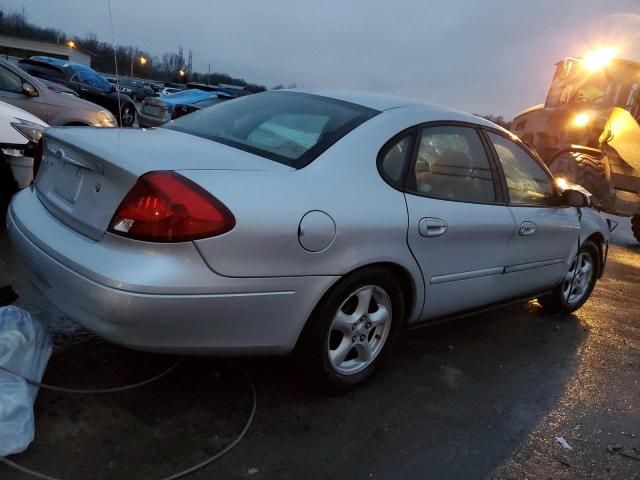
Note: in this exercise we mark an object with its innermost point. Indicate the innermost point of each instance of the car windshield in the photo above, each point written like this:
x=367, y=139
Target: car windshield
x=287, y=127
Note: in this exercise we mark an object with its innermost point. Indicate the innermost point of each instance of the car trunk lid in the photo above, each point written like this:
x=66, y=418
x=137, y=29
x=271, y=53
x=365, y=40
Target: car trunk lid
x=86, y=172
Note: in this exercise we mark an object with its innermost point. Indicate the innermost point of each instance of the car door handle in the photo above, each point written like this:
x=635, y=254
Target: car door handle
x=528, y=228
x=432, y=227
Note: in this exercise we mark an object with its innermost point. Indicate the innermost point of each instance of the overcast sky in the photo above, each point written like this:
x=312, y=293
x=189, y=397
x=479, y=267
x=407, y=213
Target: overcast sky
x=480, y=56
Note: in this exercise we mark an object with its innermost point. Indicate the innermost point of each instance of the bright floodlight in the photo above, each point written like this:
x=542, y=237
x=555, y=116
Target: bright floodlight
x=562, y=183
x=599, y=58
x=581, y=119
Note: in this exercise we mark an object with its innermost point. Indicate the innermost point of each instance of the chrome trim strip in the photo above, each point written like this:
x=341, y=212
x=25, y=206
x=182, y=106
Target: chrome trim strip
x=530, y=266
x=454, y=277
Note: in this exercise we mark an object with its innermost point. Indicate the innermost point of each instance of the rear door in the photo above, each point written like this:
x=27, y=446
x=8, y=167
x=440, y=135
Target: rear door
x=459, y=226
x=547, y=233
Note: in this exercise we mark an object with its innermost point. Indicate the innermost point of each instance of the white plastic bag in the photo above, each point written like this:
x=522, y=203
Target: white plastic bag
x=25, y=348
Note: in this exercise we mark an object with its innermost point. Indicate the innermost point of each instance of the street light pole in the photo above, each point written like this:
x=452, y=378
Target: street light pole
x=142, y=62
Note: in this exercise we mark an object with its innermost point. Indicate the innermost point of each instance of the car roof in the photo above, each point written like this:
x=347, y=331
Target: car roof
x=376, y=101
x=59, y=62
x=190, y=96
x=382, y=102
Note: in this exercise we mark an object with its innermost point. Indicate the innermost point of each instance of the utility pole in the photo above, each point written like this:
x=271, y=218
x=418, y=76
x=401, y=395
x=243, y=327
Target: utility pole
x=208, y=74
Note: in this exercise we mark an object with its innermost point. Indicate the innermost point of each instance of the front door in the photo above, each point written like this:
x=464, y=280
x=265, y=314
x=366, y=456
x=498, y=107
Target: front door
x=459, y=227
x=11, y=92
x=547, y=233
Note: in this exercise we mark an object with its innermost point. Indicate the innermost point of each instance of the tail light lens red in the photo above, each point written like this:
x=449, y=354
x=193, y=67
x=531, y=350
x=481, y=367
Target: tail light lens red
x=167, y=207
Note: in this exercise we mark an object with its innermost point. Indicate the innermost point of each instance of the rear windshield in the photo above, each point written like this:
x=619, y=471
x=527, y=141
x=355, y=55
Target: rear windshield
x=288, y=127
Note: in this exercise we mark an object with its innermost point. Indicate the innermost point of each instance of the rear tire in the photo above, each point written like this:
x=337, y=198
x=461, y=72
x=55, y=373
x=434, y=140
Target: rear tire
x=635, y=226
x=346, y=339
x=577, y=285
x=584, y=170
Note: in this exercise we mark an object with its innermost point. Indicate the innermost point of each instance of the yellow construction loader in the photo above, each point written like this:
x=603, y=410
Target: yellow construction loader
x=588, y=131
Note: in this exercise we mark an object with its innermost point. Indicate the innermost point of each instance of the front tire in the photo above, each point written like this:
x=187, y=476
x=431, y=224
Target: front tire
x=578, y=283
x=352, y=331
x=127, y=115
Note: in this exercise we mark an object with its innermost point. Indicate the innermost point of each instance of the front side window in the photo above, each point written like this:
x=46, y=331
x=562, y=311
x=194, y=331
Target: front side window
x=288, y=127
x=528, y=183
x=452, y=165
x=9, y=81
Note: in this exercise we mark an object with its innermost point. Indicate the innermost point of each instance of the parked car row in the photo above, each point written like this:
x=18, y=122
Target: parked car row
x=83, y=80
x=50, y=101
x=315, y=222
x=133, y=88
x=63, y=93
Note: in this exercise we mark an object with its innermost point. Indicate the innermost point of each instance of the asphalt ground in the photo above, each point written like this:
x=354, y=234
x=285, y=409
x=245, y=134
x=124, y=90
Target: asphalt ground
x=481, y=397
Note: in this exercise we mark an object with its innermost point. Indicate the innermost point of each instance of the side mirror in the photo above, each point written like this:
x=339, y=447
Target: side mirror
x=29, y=90
x=574, y=198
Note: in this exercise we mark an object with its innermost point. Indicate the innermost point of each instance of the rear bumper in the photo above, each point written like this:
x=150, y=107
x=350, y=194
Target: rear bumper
x=153, y=298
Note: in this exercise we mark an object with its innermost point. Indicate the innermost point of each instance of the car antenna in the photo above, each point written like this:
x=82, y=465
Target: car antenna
x=115, y=61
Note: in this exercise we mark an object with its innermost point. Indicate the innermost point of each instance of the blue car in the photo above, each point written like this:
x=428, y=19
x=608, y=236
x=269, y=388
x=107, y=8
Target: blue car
x=157, y=111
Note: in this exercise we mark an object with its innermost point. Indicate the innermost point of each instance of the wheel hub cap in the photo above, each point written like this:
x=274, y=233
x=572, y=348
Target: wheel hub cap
x=359, y=330
x=578, y=279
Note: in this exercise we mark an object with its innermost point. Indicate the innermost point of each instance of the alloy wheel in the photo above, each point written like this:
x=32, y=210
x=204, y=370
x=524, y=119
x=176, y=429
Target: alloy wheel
x=578, y=279
x=359, y=330
x=127, y=116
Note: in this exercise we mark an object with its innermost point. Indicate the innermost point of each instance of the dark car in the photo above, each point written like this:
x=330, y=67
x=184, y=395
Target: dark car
x=155, y=88
x=84, y=81
x=134, y=88
x=160, y=110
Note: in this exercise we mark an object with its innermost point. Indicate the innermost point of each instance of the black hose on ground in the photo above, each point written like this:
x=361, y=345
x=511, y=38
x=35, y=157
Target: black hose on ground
x=175, y=476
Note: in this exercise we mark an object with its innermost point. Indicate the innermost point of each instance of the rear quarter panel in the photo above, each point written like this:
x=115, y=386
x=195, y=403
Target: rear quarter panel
x=370, y=216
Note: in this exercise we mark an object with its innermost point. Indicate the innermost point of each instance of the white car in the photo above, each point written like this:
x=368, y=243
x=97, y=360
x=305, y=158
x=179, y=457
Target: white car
x=19, y=134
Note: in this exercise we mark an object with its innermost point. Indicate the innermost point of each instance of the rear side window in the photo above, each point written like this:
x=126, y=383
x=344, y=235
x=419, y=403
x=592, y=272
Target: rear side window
x=452, y=164
x=42, y=71
x=288, y=127
x=394, y=157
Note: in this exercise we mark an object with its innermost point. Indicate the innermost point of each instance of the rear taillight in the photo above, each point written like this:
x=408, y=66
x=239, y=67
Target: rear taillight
x=37, y=157
x=167, y=207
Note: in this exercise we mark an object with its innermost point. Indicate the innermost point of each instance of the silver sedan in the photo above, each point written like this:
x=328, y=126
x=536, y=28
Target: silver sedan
x=310, y=221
